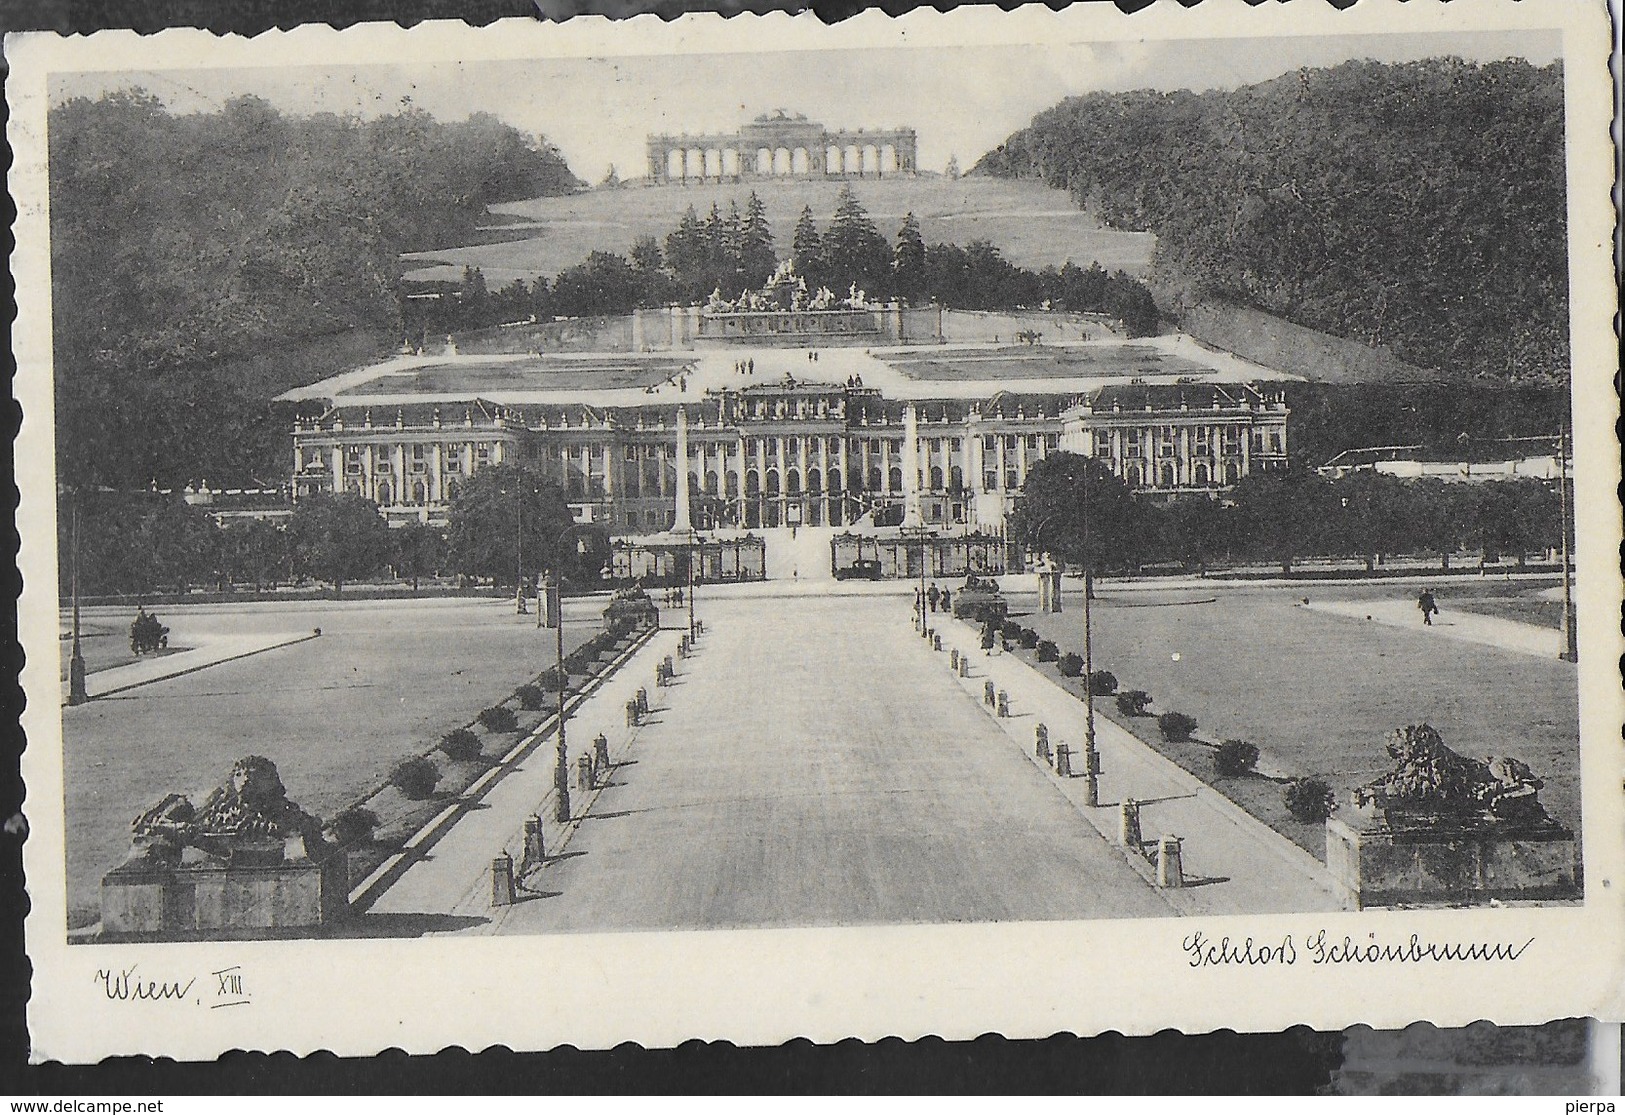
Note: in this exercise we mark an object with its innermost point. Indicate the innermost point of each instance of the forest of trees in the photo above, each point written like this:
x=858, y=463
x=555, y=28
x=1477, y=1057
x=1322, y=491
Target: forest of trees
x=735, y=250
x=1419, y=206
x=182, y=241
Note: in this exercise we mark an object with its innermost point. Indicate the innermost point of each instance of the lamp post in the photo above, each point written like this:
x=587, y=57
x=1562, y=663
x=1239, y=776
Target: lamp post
x=77, y=693
x=1571, y=641
x=550, y=605
x=1091, y=756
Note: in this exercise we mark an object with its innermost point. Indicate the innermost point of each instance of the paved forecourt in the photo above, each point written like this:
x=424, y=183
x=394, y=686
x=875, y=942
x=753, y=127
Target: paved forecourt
x=815, y=764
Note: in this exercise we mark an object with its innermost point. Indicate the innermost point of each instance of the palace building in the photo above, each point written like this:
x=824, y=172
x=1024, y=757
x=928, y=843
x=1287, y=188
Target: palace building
x=780, y=145
x=778, y=437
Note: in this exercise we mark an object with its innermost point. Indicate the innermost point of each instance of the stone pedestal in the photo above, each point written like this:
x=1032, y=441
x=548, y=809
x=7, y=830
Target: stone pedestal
x=1376, y=863
x=162, y=899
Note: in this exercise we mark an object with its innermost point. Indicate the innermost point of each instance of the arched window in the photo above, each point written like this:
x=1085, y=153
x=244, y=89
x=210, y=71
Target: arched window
x=772, y=481
x=815, y=481
x=956, y=479
x=384, y=492
x=731, y=480
x=792, y=482
x=710, y=483
x=1232, y=473
x=894, y=480
x=874, y=479
x=753, y=483
x=936, y=478
x=834, y=479
x=1200, y=474
x=1165, y=477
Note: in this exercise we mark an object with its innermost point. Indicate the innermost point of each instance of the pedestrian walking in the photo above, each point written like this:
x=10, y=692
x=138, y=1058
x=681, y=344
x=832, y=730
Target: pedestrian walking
x=1428, y=606
x=946, y=595
x=932, y=595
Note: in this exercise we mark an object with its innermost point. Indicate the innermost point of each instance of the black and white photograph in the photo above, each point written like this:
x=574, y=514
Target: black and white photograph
x=1018, y=504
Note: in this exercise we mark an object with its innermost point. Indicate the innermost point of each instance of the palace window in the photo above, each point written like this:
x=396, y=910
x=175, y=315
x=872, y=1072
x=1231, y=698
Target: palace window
x=1230, y=440
x=418, y=459
x=1134, y=443
x=352, y=461
x=1167, y=438
x=482, y=454
x=1203, y=441
x=990, y=481
x=1052, y=442
x=1012, y=482
x=1103, y=443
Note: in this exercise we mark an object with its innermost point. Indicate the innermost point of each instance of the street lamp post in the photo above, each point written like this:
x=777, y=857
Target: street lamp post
x=1091, y=756
x=77, y=693
x=1571, y=641
x=550, y=604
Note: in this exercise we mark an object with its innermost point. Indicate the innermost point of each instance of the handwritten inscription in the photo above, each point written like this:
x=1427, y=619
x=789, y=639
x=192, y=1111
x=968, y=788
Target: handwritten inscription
x=128, y=985
x=1203, y=951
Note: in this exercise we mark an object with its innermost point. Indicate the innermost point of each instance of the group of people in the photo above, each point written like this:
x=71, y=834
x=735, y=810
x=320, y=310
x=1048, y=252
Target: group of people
x=679, y=381
x=744, y=367
x=672, y=597
x=854, y=381
x=934, y=599
x=812, y=356
x=146, y=633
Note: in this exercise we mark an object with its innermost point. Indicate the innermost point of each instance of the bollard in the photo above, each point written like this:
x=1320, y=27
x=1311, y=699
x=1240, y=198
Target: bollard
x=671, y=668
x=600, y=755
x=953, y=660
x=1091, y=771
x=535, y=847
x=682, y=647
x=1170, y=868
x=642, y=698
x=989, y=698
x=1128, y=824
x=660, y=675
x=584, y=772
x=502, y=880
x=632, y=716
x=936, y=642
x=1063, y=760
x=1041, y=743
x=1004, y=703
x=964, y=666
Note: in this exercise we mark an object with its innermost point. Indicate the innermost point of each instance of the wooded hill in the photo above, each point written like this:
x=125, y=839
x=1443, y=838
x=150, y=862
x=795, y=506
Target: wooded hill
x=1419, y=206
x=184, y=243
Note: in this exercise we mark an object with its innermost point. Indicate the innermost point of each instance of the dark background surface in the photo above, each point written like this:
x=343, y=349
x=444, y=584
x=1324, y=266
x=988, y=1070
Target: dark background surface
x=1297, y=1061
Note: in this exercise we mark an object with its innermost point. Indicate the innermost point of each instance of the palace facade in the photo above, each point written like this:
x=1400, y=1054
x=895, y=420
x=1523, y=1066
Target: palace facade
x=779, y=453
x=780, y=145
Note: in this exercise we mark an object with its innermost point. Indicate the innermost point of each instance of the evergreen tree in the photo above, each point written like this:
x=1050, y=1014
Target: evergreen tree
x=685, y=255
x=757, y=258
x=807, y=248
x=908, y=259
x=854, y=251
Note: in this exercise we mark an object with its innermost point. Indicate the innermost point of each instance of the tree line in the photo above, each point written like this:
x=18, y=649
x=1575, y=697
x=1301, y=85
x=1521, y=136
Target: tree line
x=181, y=241
x=1074, y=507
x=1418, y=205
x=509, y=522
x=734, y=250
x=506, y=521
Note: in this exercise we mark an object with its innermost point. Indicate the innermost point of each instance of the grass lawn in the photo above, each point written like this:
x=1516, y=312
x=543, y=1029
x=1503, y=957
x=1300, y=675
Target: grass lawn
x=386, y=680
x=1032, y=224
x=1319, y=693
